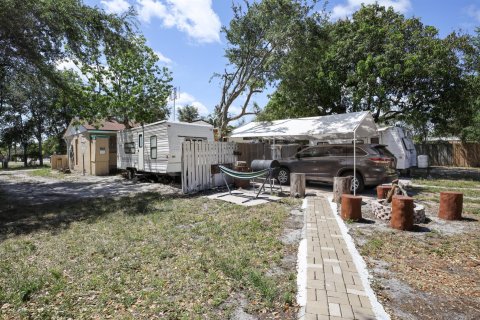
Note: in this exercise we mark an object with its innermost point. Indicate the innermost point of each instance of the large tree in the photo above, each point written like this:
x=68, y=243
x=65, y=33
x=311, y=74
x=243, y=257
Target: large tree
x=130, y=85
x=38, y=32
x=259, y=36
x=34, y=37
x=378, y=61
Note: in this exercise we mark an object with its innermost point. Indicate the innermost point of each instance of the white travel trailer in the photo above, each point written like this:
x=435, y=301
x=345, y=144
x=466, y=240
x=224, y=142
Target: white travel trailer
x=157, y=147
x=400, y=144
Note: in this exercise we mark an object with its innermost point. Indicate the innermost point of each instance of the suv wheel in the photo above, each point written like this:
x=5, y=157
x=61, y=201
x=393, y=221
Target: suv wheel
x=283, y=176
x=357, y=181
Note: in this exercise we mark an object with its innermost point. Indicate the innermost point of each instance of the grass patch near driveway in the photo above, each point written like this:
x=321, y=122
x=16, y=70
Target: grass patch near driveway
x=428, y=192
x=443, y=269
x=431, y=272
x=448, y=183
x=46, y=173
x=146, y=257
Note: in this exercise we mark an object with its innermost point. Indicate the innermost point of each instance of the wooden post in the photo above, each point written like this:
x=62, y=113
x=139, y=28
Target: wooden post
x=341, y=185
x=297, y=185
x=382, y=191
x=351, y=207
x=451, y=205
x=402, y=213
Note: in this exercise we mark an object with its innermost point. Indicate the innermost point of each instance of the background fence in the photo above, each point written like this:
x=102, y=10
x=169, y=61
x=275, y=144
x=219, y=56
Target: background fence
x=197, y=160
x=451, y=154
x=263, y=151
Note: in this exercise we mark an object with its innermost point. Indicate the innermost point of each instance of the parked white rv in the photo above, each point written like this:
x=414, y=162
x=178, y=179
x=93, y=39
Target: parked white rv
x=157, y=147
x=400, y=143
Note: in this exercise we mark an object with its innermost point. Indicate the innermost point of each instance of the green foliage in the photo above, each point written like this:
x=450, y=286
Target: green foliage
x=130, y=86
x=259, y=36
x=188, y=113
x=378, y=61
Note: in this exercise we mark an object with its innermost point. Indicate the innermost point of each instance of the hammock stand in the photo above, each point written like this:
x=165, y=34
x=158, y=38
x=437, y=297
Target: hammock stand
x=246, y=176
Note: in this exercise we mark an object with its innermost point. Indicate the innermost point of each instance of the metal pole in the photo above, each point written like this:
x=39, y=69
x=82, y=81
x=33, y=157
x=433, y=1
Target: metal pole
x=354, y=161
x=83, y=160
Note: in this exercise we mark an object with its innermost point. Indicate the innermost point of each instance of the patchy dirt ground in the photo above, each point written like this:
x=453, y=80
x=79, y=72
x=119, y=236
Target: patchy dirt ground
x=21, y=185
x=430, y=273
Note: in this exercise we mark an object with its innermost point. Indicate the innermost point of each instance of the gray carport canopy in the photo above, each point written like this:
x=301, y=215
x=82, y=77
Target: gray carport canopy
x=339, y=126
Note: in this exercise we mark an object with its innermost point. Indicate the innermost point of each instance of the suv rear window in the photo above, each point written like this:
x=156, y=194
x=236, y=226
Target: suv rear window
x=383, y=151
x=359, y=152
x=312, y=152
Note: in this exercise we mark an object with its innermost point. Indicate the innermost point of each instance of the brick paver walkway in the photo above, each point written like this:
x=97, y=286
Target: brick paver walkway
x=334, y=287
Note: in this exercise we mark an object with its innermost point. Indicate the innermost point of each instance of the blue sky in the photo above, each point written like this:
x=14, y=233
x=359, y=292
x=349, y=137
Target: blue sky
x=186, y=34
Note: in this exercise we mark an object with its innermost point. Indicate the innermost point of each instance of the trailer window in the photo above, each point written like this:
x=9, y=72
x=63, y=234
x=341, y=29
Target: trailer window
x=129, y=147
x=153, y=147
x=140, y=140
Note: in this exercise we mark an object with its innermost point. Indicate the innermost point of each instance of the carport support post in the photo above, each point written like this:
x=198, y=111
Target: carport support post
x=354, y=160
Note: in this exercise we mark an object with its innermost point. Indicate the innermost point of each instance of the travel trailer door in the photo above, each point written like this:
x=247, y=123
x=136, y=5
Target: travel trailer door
x=140, y=152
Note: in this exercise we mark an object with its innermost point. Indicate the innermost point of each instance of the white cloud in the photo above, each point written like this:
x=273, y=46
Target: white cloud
x=185, y=98
x=344, y=10
x=474, y=12
x=163, y=58
x=196, y=18
x=67, y=64
x=115, y=6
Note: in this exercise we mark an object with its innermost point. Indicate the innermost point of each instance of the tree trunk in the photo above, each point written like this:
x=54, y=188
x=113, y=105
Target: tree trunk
x=402, y=213
x=451, y=205
x=40, y=155
x=25, y=157
x=297, y=185
x=341, y=185
x=9, y=157
x=351, y=208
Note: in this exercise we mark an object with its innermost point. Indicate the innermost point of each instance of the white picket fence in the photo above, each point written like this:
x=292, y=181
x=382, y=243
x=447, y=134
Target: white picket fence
x=197, y=160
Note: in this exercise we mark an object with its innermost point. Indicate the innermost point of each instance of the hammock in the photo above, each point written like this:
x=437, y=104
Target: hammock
x=245, y=176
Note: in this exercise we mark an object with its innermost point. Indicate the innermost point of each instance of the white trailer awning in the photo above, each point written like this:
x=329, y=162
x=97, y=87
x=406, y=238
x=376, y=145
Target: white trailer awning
x=339, y=126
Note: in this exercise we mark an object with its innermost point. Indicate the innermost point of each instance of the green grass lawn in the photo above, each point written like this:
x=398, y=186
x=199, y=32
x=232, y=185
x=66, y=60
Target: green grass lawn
x=144, y=257
x=430, y=189
x=448, y=183
x=12, y=166
x=46, y=172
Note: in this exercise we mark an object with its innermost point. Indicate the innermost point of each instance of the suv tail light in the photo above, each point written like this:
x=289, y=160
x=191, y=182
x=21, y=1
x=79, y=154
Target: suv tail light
x=379, y=160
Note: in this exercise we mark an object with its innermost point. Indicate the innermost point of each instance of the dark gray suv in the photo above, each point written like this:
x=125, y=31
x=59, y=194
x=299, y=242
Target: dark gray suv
x=375, y=164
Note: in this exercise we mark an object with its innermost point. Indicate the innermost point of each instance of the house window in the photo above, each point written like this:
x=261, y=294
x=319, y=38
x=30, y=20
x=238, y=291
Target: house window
x=153, y=147
x=129, y=147
x=140, y=140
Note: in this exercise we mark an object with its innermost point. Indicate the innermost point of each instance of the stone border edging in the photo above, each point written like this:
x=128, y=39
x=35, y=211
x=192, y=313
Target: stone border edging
x=302, y=265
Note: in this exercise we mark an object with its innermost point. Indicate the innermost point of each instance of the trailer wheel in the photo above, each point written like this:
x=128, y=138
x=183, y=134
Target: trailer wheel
x=130, y=174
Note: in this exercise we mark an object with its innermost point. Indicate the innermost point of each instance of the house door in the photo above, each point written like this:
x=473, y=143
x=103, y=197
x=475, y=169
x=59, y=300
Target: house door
x=140, y=152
